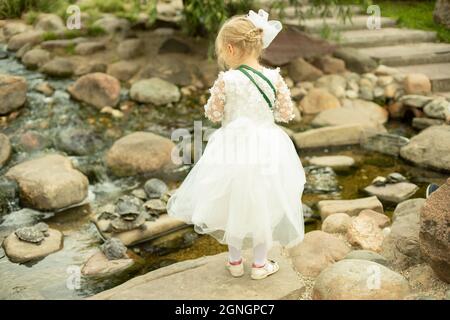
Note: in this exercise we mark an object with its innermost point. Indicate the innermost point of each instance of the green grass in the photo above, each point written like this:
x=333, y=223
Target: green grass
x=415, y=15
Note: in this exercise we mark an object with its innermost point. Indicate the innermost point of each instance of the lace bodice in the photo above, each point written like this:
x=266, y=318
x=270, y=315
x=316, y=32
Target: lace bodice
x=233, y=95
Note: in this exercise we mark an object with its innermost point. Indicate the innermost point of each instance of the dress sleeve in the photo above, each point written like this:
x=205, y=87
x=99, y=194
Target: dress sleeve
x=215, y=105
x=284, y=107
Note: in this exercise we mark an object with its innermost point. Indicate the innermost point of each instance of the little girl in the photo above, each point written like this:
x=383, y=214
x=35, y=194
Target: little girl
x=246, y=188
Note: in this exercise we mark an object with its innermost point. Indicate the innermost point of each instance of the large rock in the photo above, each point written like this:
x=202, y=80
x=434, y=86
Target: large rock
x=441, y=13
x=352, y=112
x=130, y=48
x=336, y=223
x=430, y=148
x=20, y=251
x=96, y=89
x=393, y=192
x=29, y=37
x=401, y=245
x=300, y=70
x=88, y=48
x=351, y=207
x=59, y=67
x=365, y=233
x=12, y=28
x=330, y=65
x=5, y=149
x=352, y=279
x=439, y=108
x=123, y=70
x=155, y=91
x=434, y=234
x=49, y=182
x=318, y=251
x=112, y=24
x=49, y=23
x=318, y=100
x=13, y=93
x=174, y=69
x=99, y=266
x=139, y=152
x=417, y=83
x=207, y=279
x=35, y=58
x=334, y=136
x=355, y=60
x=386, y=143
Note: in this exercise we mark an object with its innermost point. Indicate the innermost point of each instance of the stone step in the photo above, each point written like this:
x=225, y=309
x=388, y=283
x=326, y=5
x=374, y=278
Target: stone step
x=384, y=37
x=308, y=11
x=336, y=24
x=410, y=54
x=439, y=74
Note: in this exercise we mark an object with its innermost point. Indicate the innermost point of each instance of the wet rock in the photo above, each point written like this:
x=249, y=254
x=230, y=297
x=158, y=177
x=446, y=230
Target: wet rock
x=49, y=23
x=300, y=70
x=30, y=141
x=78, y=141
x=123, y=70
x=355, y=60
x=330, y=65
x=423, y=123
x=352, y=279
x=5, y=149
x=139, y=152
x=334, y=136
x=401, y=246
x=35, y=58
x=429, y=148
x=114, y=249
x=352, y=112
x=415, y=100
x=87, y=48
x=49, y=182
x=174, y=45
x=112, y=24
x=318, y=100
x=386, y=143
x=58, y=67
x=417, y=83
x=320, y=180
x=155, y=188
x=29, y=37
x=96, y=89
x=336, y=223
x=19, y=251
x=351, y=207
x=434, y=231
x=396, y=192
x=337, y=163
x=367, y=255
x=100, y=266
x=439, y=108
x=155, y=91
x=13, y=93
x=317, y=251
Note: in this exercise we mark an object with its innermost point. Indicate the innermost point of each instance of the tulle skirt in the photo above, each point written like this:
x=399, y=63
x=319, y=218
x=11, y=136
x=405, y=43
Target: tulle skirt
x=246, y=188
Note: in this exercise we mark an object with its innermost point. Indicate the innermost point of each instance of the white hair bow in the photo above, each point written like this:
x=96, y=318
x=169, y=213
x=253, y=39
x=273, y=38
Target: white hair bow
x=270, y=28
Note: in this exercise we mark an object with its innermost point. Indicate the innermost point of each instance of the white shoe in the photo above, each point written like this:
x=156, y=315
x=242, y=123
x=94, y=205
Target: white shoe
x=270, y=267
x=236, y=270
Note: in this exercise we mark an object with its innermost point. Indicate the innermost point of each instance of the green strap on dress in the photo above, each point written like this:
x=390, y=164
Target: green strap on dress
x=243, y=68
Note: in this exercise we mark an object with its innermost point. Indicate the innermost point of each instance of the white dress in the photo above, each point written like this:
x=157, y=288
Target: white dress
x=246, y=188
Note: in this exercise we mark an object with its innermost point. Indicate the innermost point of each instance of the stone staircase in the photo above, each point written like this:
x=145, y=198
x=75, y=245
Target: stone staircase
x=407, y=50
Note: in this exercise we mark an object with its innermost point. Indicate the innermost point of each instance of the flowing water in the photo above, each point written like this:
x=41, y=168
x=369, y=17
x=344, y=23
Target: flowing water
x=53, y=277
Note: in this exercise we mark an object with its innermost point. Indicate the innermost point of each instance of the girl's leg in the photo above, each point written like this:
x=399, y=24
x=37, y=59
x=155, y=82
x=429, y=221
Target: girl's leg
x=234, y=255
x=259, y=255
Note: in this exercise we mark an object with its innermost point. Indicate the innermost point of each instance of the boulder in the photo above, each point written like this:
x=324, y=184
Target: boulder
x=355, y=60
x=439, y=108
x=336, y=223
x=351, y=207
x=423, y=123
x=35, y=58
x=386, y=143
x=352, y=279
x=300, y=70
x=380, y=219
x=13, y=93
x=430, y=148
x=318, y=100
x=31, y=38
x=88, y=48
x=401, y=246
x=367, y=255
x=318, y=251
x=434, y=231
x=78, y=141
x=49, y=23
x=155, y=91
x=139, y=152
x=96, y=89
x=130, y=49
x=112, y=24
x=98, y=265
x=393, y=192
x=415, y=100
x=330, y=65
x=123, y=70
x=174, y=69
x=49, y=182
x=5, y=149
x=59, y=67
x=352, y=112
x=12, y=28
x=19, y=251
x=337, y=163
x=417, y=83
x=365, y=233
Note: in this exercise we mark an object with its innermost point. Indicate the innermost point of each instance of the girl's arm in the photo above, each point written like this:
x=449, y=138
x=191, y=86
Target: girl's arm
x=215, y=105
x=284, y=107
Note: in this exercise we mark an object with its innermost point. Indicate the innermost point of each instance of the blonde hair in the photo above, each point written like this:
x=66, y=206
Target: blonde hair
x=242, y=34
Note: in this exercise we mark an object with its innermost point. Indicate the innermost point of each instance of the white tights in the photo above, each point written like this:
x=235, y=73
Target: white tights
x=259, y=254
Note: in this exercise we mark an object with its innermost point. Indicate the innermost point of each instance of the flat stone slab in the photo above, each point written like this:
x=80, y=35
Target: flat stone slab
x=439, y=74
x=351, y=207
x=334, y=162
x=384, y=36
x=395, y=192
x=410, y=53
x=357, y=22
x=207, y=279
